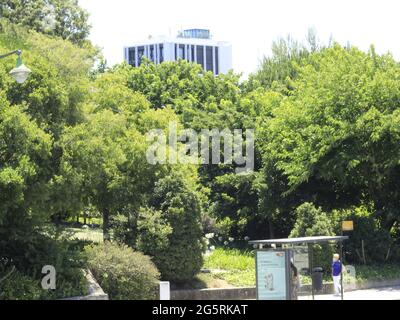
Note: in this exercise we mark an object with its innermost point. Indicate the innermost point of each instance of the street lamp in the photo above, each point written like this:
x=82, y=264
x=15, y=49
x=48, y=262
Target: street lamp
x=20, y=73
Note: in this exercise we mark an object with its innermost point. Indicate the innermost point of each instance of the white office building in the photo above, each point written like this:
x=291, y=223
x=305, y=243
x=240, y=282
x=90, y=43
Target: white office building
x=193, y=45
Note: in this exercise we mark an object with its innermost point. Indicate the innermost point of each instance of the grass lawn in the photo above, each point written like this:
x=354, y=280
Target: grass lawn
x=98, y=221
x=93, y=235
x=236, y=268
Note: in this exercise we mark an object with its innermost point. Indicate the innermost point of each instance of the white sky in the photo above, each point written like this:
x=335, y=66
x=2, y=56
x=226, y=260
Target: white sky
x=250, y=25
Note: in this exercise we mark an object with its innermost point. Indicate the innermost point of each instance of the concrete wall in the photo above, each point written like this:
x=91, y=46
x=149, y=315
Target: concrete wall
x=215, y=294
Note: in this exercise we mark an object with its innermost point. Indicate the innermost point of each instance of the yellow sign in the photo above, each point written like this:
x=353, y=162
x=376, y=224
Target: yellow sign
x=347, y=225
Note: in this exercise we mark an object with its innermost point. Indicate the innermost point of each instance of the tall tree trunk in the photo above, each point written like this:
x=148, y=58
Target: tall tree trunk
x=106, y=224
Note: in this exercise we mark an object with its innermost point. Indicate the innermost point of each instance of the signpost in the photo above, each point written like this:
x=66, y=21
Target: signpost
x=273, y=275
x=347, y=225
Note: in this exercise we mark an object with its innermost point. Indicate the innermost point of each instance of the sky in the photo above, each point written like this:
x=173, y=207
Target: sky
x=250, y=25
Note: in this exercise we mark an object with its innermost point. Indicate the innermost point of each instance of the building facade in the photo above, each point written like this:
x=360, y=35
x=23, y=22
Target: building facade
x=193, y=45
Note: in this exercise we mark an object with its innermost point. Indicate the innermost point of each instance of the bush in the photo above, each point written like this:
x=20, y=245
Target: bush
x=28, y=256
x=182, y=259
x=312, y=221
x=123, y=273
x=153, y=231
x=18, y=286
x=123, y=230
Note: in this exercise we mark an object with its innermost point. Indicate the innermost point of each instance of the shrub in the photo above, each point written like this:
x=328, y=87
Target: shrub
x=18, y=286
x=28, y=258
x=123, y=273
x=123, y=230
x=182, y=259
x=153, y=231
x=312, y=221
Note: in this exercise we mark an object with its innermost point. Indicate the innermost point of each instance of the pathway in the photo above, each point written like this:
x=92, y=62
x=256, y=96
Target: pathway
x=386, y=293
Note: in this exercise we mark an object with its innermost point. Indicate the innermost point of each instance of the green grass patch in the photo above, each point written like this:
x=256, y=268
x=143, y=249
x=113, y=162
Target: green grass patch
x=230, y=259
x=98, y=221
x=378, y=272
x=235, y=267
x=92, y=235
x=243, y=278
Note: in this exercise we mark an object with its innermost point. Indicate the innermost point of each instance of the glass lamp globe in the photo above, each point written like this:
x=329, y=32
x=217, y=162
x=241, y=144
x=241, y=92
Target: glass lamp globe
x=20, y=73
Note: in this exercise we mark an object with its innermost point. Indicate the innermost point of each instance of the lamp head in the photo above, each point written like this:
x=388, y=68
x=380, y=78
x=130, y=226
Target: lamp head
x=20, y=73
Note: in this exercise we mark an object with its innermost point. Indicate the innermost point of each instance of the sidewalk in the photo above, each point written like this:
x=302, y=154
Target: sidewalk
x=386, y=293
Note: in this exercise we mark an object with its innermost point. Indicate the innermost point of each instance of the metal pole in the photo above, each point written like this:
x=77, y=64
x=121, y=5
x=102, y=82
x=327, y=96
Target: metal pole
x=310, y=262
x=341, y=268
x=18, y=52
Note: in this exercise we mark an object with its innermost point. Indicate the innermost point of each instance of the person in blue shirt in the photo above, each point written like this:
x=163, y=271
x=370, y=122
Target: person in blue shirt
x=336, y=274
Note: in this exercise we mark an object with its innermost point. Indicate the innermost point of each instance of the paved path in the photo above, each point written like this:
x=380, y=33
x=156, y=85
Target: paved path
x=386, y=293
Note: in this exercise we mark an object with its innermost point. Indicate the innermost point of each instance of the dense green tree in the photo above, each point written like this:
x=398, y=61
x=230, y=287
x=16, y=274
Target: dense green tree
x=278, y=70
x=176, y=197
x=62, y=18
x=204, y=101
x=334, y=140
x=24, y=150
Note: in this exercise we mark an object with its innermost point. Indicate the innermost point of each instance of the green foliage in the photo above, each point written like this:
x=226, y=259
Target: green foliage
x=234, y=203
x=230, y=259
x=59, y=79
x=123, y=273
x=64, y=18
x=71, y=137
x=312, y=221
x=334, y=139
x=278, y=71
x=24, y=147
x=182, y=85
x=182, y=259
x=42, y=250
x=377, y=272
x=153, y=231
x=19, y=287
x=236, y=267
x=369, y=243
x=32, y=117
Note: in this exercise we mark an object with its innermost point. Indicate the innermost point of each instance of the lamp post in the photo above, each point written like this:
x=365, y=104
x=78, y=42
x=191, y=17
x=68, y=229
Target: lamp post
x=20, y=73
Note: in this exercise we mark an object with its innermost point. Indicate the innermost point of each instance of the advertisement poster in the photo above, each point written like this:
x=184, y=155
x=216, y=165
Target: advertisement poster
x=301, y=259
x=271, y=275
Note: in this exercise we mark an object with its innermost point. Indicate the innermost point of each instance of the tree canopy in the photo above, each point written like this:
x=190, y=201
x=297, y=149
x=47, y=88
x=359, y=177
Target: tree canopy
x=326, y=120
x=62, y=18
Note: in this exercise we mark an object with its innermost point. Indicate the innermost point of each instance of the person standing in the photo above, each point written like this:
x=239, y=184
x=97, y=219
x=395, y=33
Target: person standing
x=295, y=281
x=336, y=274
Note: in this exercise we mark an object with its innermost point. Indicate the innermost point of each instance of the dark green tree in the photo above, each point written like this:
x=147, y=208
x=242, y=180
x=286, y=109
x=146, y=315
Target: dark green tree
x=180, y=205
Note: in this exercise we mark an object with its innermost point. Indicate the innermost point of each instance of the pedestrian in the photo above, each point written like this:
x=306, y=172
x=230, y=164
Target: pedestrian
x=336, y=274
x=295, y=281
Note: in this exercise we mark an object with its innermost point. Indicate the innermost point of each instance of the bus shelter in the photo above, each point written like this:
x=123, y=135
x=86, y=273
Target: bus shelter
x=275, y=265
